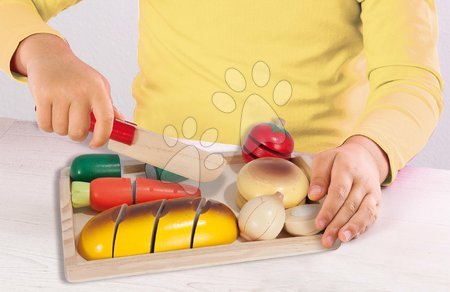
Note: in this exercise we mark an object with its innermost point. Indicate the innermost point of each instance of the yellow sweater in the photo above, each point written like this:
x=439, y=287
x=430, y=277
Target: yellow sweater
x=330, y=69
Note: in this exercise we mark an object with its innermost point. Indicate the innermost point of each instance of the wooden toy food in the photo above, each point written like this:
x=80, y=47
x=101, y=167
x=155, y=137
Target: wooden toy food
x=157, y=226
x=300, y=220
x=262, y=218
x=91, y=166
x=154, y=172
x=107, y=192
x=132, y=226
x=267, y=140
x=269, y=175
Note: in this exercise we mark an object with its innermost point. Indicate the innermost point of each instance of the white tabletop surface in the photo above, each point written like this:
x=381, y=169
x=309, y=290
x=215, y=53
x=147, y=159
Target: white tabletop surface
x=408, y=249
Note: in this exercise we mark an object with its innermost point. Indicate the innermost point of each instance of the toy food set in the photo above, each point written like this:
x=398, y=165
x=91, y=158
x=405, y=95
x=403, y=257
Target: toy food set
x=123, y=219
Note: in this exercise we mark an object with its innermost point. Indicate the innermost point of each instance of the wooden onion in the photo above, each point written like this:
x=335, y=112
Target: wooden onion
x=262, y=218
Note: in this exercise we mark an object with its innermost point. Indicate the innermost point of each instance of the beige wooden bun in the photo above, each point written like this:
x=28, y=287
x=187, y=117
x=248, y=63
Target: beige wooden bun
x=262, y=217
x=269, y=175
x=300, y=220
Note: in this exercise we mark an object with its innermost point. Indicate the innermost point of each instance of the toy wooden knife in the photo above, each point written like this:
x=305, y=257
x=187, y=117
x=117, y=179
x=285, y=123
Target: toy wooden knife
x=146, y=146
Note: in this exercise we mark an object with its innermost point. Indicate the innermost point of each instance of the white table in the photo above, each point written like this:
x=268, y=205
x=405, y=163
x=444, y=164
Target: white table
x=408, y=249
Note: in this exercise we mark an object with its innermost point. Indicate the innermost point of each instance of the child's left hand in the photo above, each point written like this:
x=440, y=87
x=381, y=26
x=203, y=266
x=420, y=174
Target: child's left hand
x=350, y=175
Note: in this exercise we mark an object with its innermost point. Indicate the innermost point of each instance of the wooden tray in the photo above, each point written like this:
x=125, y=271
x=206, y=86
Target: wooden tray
x=77, y=269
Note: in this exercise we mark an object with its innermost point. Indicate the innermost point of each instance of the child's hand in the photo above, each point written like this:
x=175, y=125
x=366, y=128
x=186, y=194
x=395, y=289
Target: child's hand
x=350, y=176
x=65, y=89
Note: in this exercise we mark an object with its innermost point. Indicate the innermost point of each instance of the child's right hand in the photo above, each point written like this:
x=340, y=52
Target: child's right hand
x=65, y=89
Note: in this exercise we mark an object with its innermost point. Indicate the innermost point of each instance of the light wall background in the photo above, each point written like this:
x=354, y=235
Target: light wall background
x=105, y=35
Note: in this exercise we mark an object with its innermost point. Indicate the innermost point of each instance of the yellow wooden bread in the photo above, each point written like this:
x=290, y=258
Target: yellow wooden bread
x=96, y=238
x=157, y=226
x=176, y=224
x=216, y=225
x=139, y=223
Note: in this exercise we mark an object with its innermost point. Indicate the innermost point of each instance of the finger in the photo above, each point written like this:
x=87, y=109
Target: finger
x=340, y=186
x=78, y=122
x=320, y=175
x=44, y=116
x=347, y=211
x=60, y=118
x=118, y=114
x=363, y=218
x=104, y=115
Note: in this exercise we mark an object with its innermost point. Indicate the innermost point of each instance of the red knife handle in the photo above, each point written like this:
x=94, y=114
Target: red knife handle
x=122, y=131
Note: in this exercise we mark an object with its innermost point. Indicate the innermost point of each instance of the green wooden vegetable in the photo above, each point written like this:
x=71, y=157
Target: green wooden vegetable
x=161, y=174
x=91, y=166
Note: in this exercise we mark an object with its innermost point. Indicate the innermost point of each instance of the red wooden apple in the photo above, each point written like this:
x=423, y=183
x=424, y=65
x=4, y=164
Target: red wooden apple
x=267, y=140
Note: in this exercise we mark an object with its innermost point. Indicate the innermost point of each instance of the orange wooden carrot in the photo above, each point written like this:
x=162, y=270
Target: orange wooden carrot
x=107, y=192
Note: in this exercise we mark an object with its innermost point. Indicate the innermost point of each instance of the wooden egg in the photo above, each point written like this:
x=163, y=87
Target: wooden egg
x=300, y=220
x=262, y=218
x=269, y=175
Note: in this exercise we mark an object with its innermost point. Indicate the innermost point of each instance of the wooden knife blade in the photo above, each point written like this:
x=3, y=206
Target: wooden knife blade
x=152, y=148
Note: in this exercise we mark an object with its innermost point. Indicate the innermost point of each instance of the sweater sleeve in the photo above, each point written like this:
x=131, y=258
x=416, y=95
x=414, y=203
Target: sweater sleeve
x=405, y=102
x=22, y=18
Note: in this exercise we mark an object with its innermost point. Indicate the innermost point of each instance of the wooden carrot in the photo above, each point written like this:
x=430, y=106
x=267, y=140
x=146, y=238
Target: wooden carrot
x=107, y=192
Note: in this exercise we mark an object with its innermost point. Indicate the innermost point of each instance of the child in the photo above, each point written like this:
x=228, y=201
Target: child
x=360, y=79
